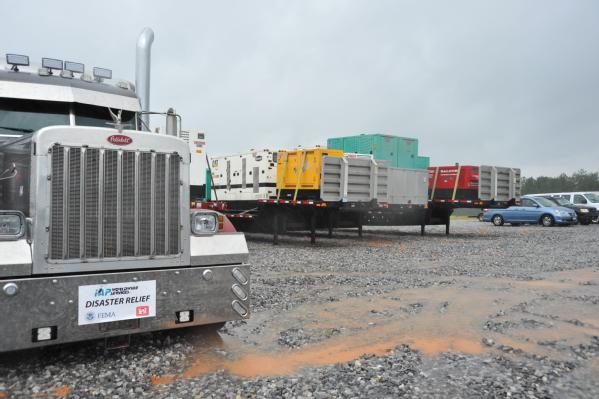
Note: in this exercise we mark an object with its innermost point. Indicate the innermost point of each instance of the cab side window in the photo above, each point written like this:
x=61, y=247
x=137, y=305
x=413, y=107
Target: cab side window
x=579, y=199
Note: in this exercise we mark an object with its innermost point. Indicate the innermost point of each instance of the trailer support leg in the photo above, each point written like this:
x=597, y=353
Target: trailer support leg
x=448, y=218
x=313, y=228
x=360, y=224
x=275, y=228
x=422, y=226
x=330, y=224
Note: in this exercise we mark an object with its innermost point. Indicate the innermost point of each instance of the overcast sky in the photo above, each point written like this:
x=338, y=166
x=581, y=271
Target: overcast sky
x=512, y=83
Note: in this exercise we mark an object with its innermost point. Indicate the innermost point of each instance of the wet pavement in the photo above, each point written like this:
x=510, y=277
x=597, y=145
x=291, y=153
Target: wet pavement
x=485, y=312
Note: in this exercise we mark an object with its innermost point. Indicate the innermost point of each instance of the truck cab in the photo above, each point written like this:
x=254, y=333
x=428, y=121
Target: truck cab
x=96, y=232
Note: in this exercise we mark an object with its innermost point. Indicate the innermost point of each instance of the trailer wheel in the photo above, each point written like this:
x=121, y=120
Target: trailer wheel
x=498, y=220
x=547, y=220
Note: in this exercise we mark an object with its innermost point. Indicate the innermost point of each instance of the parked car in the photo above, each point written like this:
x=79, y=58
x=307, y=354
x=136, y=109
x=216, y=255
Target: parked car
x=533, y=210
x=579, y=198
x=585, y=213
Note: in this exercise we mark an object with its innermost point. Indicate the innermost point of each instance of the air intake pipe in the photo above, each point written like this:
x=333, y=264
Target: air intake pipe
x=142, y=73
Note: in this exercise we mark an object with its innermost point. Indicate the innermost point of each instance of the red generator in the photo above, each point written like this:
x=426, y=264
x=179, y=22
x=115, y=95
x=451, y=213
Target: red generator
x=457, y=182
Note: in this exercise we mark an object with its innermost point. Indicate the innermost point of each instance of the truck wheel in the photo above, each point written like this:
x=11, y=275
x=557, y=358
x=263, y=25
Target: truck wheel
x=498, y=220
x=547, y=220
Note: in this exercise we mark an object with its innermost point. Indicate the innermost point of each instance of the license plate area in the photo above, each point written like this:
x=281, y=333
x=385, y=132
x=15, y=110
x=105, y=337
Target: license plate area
x=119, y=325
x=108, y=303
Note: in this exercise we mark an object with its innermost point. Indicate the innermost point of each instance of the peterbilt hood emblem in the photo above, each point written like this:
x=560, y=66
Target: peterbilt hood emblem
x=119, y=139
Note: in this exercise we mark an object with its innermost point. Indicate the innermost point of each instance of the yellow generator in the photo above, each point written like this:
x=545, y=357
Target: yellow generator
x=299, y=171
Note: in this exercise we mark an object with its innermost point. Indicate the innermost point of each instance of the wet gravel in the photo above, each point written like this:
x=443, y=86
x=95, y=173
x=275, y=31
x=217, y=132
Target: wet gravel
x=294, y=276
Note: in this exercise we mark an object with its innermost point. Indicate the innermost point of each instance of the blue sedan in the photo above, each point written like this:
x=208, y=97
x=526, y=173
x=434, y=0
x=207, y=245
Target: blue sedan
x=534, y=210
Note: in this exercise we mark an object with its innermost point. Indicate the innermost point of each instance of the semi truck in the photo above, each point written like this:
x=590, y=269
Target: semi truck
x=97, y=237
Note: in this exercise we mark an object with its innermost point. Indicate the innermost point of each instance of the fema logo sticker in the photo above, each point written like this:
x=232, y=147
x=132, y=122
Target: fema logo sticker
x=89, y=316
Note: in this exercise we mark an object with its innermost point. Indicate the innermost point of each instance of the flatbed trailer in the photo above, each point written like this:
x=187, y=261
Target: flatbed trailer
x=278, y=217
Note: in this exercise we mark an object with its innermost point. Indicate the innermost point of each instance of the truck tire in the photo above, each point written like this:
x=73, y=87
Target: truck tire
x=497, y=220
x=547, y=220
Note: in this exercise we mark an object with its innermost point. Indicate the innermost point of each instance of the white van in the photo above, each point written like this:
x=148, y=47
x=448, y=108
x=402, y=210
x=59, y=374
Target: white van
x=588, y=198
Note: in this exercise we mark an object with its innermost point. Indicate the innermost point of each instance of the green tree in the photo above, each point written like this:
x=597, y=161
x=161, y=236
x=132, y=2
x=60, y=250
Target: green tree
x=578, y=181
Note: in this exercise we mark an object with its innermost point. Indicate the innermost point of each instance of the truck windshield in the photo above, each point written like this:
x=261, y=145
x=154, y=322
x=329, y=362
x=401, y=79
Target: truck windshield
x=19, y=117
x=90, y=115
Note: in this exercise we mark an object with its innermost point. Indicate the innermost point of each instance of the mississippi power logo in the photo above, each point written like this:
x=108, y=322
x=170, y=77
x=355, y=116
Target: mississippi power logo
x=119, y=139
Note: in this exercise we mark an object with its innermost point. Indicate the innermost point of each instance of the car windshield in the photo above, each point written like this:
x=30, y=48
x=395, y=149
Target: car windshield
x=592, y=197
x=560, y=201
x=545, y=202
x=22, y=117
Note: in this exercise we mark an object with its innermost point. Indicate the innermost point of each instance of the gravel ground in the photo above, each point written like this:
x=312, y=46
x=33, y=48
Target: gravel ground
x=485, y=312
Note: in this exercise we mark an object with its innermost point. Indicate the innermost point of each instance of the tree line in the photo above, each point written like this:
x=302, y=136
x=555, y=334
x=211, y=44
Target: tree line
x=577, y=181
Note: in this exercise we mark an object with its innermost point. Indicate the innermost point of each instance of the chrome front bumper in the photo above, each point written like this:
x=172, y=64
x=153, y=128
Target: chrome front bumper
x=222, y=294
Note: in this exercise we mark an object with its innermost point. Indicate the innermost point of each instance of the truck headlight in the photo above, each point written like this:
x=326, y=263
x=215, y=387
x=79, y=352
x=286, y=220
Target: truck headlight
x=204, y=223
x=584, y=210
x=12, y=225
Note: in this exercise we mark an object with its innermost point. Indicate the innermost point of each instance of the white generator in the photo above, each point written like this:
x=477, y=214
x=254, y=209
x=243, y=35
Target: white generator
x=197, y=169
x=245, y=177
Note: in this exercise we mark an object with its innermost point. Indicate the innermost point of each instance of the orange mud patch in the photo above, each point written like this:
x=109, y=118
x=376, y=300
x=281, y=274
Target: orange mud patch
x=378, y=244
x=161, y=380
x=3, y=394
x=433, y=320
x=257, y=364
x=62, y=392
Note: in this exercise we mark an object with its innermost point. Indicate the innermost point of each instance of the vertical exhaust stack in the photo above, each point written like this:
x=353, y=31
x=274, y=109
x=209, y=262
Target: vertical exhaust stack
x=171, y=123
x=142, y=72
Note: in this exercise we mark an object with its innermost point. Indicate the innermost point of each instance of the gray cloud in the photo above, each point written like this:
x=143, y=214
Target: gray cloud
x=505, y=82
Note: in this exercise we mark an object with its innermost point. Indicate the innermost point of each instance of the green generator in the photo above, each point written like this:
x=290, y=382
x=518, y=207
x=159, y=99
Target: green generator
x=400, y=152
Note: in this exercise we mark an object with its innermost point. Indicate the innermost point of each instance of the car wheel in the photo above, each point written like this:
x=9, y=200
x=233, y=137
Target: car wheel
x=498, y=220
x=595, y=219
x=547, y=220
x=480, y=217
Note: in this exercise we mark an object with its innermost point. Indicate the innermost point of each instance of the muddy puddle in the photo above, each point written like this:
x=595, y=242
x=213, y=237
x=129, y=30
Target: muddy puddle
x=516, y=314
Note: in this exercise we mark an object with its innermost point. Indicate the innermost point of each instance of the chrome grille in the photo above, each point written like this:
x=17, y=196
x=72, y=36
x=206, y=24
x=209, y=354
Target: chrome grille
x=113, y=203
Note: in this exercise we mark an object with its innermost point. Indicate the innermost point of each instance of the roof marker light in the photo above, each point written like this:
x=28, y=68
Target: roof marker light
x=15, y=60
x=102, y=73
x=52, y=63
x=74, y=67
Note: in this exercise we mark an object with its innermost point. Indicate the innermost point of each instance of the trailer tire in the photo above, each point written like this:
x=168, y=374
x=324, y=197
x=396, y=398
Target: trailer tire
x=547, y=220
x=497, y=220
